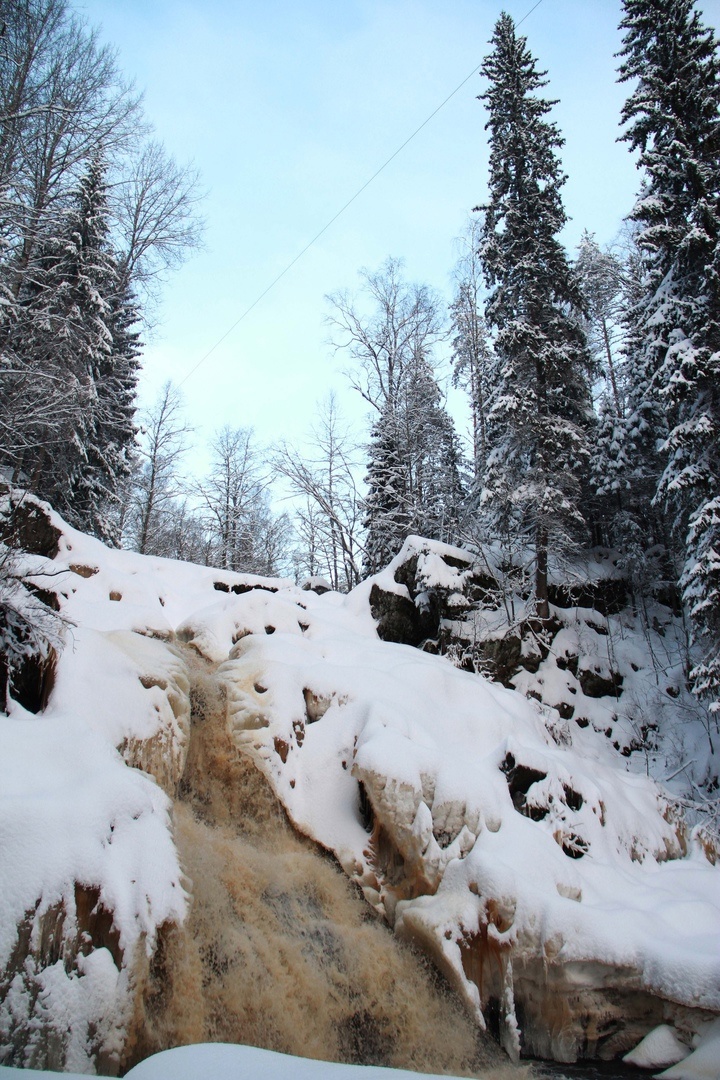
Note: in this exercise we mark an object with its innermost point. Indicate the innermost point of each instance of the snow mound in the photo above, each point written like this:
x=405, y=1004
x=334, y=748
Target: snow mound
x=704, y=1062
x=222, y=1061
x=660, y=1048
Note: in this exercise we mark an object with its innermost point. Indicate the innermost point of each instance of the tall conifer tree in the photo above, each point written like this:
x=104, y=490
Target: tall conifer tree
x=387, y=514
x=78, y=319
x=673, y=119
x=538, y=424
x=414, y=473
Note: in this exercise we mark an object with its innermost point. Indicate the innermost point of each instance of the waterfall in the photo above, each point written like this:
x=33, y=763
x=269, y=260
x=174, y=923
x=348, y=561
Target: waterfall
x=280, y=950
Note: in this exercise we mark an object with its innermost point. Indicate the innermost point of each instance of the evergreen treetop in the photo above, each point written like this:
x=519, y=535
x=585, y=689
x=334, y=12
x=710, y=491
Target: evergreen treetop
x=537, y=426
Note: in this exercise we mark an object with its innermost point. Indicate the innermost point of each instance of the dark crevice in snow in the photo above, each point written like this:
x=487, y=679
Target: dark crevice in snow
x=520, y=779
x=367, y=815
x=31, y=681
x=241, y=587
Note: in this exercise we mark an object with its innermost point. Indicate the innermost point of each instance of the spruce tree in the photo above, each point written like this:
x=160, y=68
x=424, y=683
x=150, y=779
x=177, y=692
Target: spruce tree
x=414, y=473
x=433, y=461
x=602, y=277
x=538, y=425
x=672, y=118
x=117, y=394
x=624, y=468
x=109, y=313
x=387, y=520
x=76, y=323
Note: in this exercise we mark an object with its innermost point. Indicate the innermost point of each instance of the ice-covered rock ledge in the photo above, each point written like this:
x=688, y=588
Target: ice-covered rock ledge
x=564, y=896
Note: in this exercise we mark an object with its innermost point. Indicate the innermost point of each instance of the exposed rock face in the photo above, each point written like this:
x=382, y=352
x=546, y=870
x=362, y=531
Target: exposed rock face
x=27, y=667
x=608, y=596
x=435, y=583
x=160, y=749
x=67, y=945
x=595, y=684
x=398, y=618
x=589, y=1010
x=26, y=526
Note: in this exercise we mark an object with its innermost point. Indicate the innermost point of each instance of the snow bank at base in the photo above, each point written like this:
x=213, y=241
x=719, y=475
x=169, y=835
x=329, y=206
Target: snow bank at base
x=660, y=1048
x=223, y=1062
x=512, y=845
x=232, y=1062
x=704, y=1062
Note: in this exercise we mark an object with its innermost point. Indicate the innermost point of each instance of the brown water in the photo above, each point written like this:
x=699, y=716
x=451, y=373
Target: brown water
x=280, y=950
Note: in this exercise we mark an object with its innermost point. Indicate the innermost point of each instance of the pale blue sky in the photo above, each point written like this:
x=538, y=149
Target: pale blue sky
x=287, y=108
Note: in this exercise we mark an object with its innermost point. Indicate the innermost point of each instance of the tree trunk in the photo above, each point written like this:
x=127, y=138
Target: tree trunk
x=542, y=607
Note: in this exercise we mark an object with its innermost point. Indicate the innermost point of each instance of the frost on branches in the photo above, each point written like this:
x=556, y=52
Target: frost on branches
x=673, y=119
x=538, y=425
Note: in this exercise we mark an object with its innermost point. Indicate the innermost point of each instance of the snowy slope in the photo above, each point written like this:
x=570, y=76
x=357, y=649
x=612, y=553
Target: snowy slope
x=513, y=848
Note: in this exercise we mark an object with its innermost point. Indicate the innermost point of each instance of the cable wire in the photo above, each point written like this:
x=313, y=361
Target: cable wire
x=341, y=211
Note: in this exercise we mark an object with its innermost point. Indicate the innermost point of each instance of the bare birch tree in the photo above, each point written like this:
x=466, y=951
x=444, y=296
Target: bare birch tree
x=330, y=517
x=156, y=486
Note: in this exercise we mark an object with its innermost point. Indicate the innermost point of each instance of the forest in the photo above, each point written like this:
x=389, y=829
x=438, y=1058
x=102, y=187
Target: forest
x=592, y=381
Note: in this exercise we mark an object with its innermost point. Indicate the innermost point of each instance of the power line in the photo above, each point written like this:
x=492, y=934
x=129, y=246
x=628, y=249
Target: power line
x=341, y=211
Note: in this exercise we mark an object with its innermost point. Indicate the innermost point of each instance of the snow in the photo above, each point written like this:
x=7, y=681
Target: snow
x=72, y=811
x=704, y=1062
x=433, y=568
x=434, y=748
x=221, y=1060
x=660, y=1048
x=225, y=1062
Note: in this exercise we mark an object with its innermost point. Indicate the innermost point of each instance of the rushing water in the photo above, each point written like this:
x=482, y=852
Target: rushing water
x=592, y=1070
x=280, y=950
